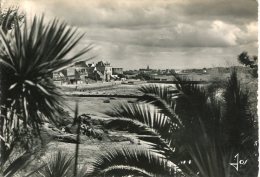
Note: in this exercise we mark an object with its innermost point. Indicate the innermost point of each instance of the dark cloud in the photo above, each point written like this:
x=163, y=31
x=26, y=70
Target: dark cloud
x=229, y=11
x=190, y=33
x=214, y=34
x=126, y=14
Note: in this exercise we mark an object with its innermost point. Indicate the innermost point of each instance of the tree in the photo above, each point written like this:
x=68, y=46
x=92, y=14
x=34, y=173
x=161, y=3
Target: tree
x=29, y=54
x=249, y=61
x=190, y=129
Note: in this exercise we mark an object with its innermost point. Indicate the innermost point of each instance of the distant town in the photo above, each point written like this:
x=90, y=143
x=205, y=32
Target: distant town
x=81, y=72
x=87, y=73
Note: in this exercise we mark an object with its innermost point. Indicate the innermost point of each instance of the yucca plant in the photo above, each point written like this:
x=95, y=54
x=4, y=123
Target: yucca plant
x=59, y=164
x=29, y=54
x=190, y=128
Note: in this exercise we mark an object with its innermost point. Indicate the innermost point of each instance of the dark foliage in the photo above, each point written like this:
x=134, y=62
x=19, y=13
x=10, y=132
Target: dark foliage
x=249, y=61
x=197, y=127
x=29, y=53
x=143, y=76
x=121, y=162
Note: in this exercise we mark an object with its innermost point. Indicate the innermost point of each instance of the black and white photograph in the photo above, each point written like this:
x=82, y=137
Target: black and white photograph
x=129, y=88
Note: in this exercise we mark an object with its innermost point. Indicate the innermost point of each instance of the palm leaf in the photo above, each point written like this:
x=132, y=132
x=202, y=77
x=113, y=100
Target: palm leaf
x=210, y=160
x=18, y=164
x=145, y=133
x=144, y=114
x=163, y=106
x=239, y=125
x=164, y=92
x=60, y=164
x=125, y=161
x=148, y=121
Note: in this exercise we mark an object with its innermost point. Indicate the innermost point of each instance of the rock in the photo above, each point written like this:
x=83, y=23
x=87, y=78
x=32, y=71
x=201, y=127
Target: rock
x=67, y=128
x=99, y=131
x=86, y=122
x=50, y=131
x=57, y=130
x=106, y=101
x=96, y=122
x=73, y=129
x=118, y=138
x=85, y=116
x=68, y=138
x=85, y=119
x=132, y=141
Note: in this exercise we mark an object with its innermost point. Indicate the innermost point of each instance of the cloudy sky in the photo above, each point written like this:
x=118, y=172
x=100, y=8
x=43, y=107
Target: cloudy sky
x=160, y=33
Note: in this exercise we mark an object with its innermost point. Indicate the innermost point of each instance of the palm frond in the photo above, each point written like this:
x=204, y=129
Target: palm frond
x=144, y=114
x=60, y=164
x=126, y=161
x=195, y=104
x=166, y=108
x=208, y=157
x=125, y=170
x=161, y=132
x=151, y=137
x=8, y=18
x=210, y=160
x=238, y=121
x=164, y=92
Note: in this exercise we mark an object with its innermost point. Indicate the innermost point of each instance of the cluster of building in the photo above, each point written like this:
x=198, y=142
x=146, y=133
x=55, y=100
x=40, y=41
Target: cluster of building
x=156, y=72
x=148, y=70
x=162, y=74
x=149, y=74
x=81, y=72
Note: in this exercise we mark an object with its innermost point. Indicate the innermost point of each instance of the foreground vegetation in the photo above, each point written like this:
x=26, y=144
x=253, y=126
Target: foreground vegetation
x=29, y=53
x=193, y=129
